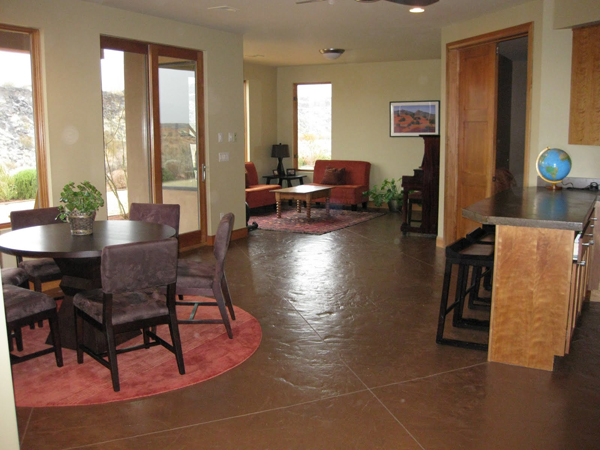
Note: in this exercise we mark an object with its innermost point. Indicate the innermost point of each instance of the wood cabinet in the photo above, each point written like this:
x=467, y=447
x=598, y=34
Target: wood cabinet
x=580, y=277
x=584, y=118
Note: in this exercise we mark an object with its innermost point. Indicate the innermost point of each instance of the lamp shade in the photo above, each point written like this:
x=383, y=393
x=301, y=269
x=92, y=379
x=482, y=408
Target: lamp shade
x=280, y=151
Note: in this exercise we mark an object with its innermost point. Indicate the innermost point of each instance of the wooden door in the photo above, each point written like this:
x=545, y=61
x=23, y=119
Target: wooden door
x=477, y=128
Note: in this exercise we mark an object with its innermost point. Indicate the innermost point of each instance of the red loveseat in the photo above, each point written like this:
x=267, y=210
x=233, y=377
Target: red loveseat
x=353, y=182
x=258, y=194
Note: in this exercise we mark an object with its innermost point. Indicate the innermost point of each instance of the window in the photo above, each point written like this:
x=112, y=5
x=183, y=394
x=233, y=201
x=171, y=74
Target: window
x=312, y=103
x=22, y=158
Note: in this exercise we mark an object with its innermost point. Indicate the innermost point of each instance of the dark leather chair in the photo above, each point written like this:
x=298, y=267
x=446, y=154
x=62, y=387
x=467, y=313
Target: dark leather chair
x=164, y=214
x=25, y=307
x=39, y=270
x=131, y=298
x=209, y=280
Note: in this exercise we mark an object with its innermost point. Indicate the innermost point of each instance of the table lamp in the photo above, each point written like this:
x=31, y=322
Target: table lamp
x=280, y=151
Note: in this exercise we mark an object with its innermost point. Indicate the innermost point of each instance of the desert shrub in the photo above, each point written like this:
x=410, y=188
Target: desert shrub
x=25, y=183
x=7, y=185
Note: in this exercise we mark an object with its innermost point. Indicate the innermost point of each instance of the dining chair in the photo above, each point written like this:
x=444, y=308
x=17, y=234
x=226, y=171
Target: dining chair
x=15, y=276
x=164, y=214
x=130, y=299
x=39, y=270
x=208, y=280
x=25, y=307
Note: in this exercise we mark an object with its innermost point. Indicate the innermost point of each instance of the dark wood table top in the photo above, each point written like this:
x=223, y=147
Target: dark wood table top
x=56, y=241
x=535, y=207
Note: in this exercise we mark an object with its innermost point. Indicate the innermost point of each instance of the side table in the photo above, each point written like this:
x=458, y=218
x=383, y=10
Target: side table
x=288, y=178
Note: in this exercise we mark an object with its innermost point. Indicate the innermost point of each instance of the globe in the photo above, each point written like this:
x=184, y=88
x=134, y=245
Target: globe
x=553, y=165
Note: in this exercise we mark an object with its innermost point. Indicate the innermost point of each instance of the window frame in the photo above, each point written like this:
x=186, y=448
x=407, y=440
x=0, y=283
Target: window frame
x=39, y=123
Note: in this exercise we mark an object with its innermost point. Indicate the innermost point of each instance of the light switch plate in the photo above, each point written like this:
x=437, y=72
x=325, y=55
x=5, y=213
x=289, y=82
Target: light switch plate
x=223, y=156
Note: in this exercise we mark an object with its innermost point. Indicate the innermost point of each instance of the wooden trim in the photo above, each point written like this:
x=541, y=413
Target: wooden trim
x=200, y=143
x=295, y=127
x=125, y=45
x=155, y=140
x=39, y=109
x=453, y=115
x=495, y=36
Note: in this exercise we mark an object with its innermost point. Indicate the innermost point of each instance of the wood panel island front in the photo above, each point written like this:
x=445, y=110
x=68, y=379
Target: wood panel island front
x=542, y=270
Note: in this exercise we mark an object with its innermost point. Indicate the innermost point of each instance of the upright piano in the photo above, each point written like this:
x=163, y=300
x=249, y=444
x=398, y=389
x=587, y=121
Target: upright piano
x=426, y=180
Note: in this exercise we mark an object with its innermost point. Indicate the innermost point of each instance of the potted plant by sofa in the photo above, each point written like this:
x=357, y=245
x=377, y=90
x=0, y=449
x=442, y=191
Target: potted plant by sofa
x=79, y=205
x=390, y=192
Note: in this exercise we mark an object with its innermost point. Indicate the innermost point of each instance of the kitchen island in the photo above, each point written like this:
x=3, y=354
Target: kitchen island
x=541, y=271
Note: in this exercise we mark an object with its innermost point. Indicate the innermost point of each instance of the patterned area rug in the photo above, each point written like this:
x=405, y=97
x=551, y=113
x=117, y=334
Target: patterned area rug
x=207, y=353
x=319, y=223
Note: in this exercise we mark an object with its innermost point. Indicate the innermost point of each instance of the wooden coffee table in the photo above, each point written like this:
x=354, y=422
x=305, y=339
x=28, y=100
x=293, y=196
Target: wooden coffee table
x=304, y=192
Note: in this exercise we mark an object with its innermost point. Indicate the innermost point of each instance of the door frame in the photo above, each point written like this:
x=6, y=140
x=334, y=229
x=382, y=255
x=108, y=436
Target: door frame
x=453, y=115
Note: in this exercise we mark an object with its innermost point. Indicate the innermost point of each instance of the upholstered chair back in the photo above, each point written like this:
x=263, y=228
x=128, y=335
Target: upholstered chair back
x=222, y=239
x=156, y=213
x=138, y=266
x=34, y=217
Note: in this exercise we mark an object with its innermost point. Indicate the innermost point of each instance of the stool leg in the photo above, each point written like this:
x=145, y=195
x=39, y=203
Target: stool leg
x=459, y=300
x=444, y=303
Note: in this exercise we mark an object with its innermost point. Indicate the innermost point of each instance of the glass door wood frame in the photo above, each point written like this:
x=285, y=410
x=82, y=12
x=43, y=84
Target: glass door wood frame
x=153, y=51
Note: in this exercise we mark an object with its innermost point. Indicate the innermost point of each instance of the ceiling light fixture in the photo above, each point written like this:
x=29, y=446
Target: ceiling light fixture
x=416, y=10
x=332, y=53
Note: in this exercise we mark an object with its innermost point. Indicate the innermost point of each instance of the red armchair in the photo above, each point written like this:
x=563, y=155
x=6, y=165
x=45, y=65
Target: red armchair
x=258, y=194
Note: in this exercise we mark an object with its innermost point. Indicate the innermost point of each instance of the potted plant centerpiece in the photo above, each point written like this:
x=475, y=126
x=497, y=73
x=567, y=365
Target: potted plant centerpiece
x=389, y=192
x=79, y=207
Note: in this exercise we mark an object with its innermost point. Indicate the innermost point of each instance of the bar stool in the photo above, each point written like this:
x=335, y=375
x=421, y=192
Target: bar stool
x=475, y=261
x=486, y=234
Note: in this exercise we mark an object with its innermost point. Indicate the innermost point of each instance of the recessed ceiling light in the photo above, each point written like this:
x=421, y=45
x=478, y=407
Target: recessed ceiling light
x=416, y=10
x=223, y=8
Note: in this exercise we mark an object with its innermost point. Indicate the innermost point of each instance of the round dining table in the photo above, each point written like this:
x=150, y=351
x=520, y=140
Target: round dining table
x=78, y=258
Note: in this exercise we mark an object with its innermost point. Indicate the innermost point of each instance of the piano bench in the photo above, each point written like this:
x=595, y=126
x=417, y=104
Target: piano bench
x=415, y=197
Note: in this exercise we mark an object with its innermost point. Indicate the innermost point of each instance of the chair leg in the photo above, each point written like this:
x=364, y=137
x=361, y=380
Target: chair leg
x=53, y=321
x=112, y=358
x=19, y=339
x=146, y=337
x=227, y=296
x=176, y=340
x=78, y=336
x=223, y=309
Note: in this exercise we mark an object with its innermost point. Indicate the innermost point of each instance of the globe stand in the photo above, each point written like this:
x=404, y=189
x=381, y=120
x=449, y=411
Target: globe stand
x=554, y=187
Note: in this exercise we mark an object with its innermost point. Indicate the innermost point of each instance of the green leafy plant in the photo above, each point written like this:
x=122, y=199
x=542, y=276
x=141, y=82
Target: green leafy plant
x=388, y=190
x=81, y=199
x=26, y=184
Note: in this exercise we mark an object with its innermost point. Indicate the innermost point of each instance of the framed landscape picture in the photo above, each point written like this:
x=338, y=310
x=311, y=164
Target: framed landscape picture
x=409, y=119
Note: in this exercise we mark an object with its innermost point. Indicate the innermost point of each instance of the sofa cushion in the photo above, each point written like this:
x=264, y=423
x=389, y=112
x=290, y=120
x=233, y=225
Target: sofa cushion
x=334, y=176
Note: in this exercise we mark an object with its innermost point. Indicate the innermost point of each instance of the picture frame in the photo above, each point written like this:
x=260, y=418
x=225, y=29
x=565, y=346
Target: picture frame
x=275, y=173
x=411, y=119
x=291, y=172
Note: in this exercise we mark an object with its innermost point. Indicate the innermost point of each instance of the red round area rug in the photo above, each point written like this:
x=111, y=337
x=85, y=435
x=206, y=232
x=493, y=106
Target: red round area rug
x=207, y=353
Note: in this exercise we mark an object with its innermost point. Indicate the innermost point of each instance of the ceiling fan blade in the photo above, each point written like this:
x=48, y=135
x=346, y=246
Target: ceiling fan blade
x=414, y=2
x=309, y=1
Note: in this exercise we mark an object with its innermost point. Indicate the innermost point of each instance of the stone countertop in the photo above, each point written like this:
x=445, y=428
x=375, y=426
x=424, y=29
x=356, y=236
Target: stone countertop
x=535, y=207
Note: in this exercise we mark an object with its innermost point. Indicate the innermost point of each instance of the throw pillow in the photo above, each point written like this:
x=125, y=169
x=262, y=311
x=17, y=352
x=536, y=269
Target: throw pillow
x=334, y=176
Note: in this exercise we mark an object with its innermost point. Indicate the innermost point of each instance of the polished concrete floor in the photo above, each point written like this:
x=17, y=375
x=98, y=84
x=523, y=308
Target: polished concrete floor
x=348, y=360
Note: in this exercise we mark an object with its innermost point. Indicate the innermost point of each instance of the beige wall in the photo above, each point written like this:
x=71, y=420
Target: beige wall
x=9, y=435
x=551, y=78
x=70, y=51
x=262, y=86
x=571, y=13
x=361, y=101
